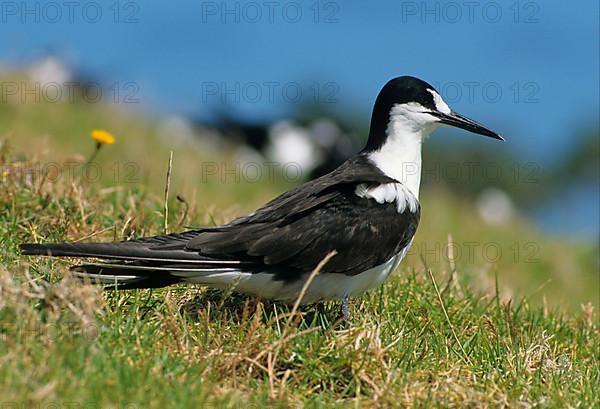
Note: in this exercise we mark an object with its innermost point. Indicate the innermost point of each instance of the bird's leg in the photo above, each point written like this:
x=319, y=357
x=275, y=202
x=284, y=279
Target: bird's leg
x=344, y=313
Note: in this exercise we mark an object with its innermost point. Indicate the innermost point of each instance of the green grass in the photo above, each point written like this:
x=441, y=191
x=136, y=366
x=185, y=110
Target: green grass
x=519, y=332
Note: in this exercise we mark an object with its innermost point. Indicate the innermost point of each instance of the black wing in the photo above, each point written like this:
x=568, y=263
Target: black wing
x=295, y=231
x=291, y=235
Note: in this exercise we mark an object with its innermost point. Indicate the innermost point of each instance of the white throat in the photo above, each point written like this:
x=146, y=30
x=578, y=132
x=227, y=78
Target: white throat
x=400, y=155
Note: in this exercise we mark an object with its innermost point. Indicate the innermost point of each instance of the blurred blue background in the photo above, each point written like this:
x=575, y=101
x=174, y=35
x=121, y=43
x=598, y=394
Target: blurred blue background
x=526, y=69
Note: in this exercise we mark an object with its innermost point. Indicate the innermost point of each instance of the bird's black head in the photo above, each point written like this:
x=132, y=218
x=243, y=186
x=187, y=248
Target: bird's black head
x=419, y=107
x=406, y=89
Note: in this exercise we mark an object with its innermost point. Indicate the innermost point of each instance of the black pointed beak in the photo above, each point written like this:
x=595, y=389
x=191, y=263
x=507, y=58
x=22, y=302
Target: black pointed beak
x=459, y=121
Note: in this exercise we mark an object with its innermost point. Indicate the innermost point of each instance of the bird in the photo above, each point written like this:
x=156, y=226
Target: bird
x=365, y=212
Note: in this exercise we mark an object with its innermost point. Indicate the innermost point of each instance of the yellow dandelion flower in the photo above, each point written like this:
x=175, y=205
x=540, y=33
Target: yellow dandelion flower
x=102, y=137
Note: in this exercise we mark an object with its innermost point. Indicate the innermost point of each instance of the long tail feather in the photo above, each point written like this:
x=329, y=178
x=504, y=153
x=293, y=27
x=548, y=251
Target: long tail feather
x=114, y=277
x=146, y=263
x=159, y=248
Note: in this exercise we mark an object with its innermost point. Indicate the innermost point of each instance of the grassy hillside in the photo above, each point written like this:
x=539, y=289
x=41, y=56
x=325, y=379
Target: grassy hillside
x=517, y=328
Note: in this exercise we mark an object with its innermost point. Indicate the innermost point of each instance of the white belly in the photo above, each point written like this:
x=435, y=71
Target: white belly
x=323, y=287
x=336, y=286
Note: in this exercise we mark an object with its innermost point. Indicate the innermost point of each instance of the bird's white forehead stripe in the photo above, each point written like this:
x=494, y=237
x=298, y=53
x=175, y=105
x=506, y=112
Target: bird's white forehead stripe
x=439, y=102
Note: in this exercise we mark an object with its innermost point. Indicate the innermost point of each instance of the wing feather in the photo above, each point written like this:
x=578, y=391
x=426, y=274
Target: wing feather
x=299, y=228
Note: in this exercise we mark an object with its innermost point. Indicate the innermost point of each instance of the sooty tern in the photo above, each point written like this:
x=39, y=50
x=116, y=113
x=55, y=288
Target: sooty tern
x=367, y=210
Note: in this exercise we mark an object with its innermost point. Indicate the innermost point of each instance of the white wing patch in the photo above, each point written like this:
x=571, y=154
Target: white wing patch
x=389, y=193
